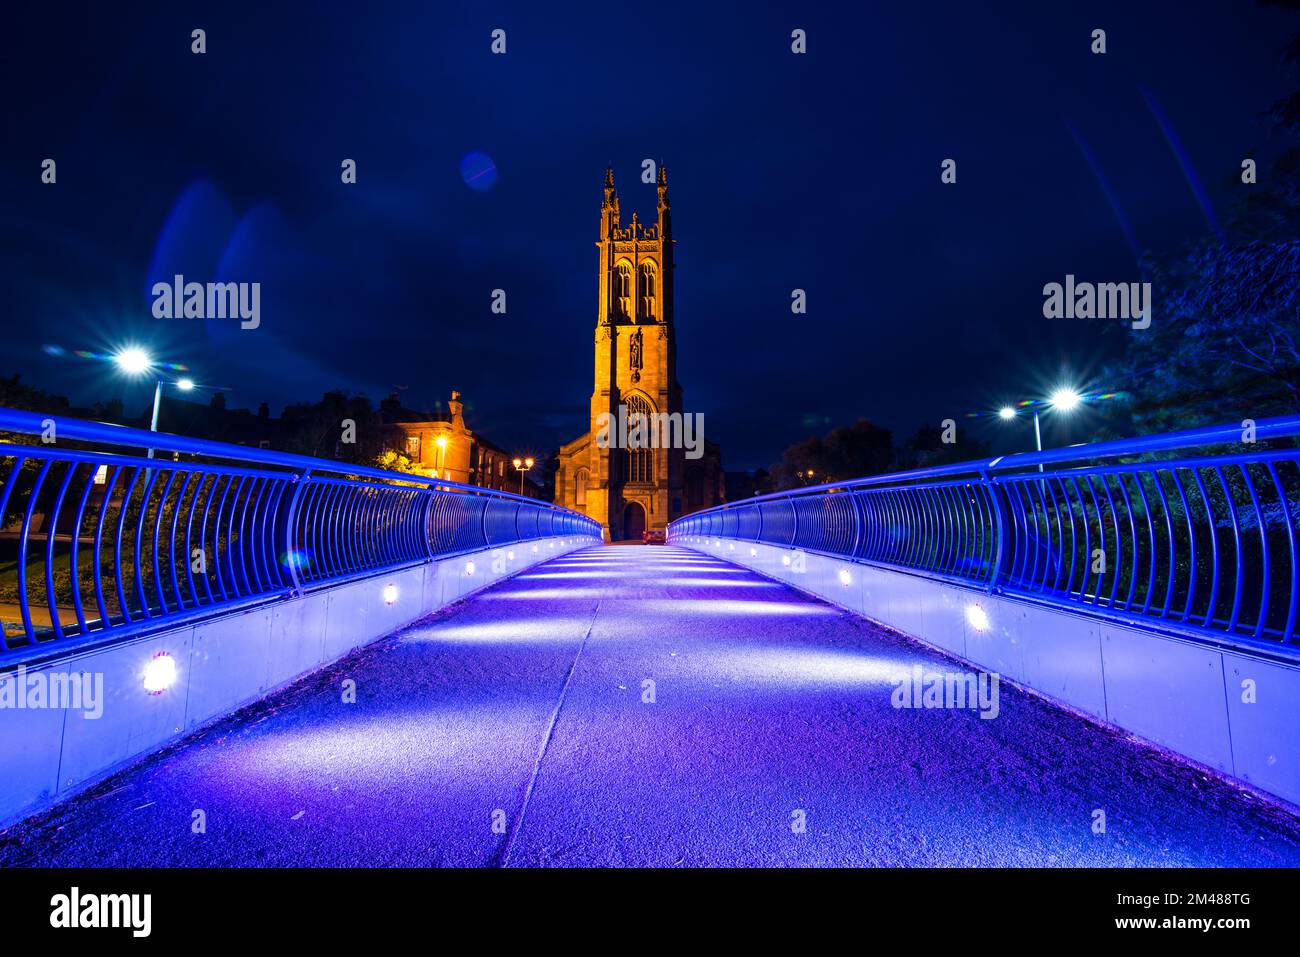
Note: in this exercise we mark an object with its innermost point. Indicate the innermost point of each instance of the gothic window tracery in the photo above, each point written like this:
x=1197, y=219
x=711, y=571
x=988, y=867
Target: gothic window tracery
x=649, y=298
x=623, y=290
x=639, y=462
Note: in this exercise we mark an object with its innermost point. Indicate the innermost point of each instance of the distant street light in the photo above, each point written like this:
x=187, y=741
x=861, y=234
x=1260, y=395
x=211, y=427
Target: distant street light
x=134, y=361
x=441, y=443
x=523, y=465
x=1063, y=400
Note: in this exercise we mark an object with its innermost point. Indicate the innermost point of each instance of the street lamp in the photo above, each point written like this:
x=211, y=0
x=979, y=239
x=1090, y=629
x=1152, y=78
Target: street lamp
x=1063, y=400
x=441, y=443
x=134, y=361
x=523, y=465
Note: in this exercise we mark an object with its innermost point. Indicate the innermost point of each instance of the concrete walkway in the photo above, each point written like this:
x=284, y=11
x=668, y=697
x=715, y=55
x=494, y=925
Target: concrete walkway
x=515, y=729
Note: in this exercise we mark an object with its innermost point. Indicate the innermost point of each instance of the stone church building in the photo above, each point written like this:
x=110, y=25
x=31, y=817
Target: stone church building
x=629, y=490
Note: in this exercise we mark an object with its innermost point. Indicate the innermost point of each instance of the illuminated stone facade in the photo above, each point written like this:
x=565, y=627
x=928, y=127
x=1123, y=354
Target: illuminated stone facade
x=629, y=490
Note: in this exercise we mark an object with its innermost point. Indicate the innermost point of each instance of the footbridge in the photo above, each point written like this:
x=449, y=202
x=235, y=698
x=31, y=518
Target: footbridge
x=222, y=655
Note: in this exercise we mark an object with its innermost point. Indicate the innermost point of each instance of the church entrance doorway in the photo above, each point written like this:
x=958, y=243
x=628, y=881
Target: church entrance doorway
x=633, y=521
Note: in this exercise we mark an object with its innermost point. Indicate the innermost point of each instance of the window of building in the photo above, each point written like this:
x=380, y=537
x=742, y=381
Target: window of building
x=648, y=304
x=623, y=290
x=638, y=463
x=580, y=486
x=413, y=448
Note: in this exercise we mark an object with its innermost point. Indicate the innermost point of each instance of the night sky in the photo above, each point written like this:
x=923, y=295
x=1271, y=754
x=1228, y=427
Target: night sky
x=819, y=172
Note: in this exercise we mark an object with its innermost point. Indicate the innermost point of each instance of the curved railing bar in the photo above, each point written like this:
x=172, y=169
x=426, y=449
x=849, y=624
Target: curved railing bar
x=259, y=526
x=1109, y=528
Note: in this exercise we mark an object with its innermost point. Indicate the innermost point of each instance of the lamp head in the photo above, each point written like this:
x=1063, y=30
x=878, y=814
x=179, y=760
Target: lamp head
x=133, y=361
x=1064, y=400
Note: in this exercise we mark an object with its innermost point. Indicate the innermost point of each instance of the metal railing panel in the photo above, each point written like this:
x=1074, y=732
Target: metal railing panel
x=109, y=543
x=1191, y=531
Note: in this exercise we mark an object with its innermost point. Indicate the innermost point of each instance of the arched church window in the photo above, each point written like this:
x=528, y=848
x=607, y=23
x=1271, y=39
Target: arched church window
x=648, y=304
x=623, y=290
x=639, y=462
x=580, y=487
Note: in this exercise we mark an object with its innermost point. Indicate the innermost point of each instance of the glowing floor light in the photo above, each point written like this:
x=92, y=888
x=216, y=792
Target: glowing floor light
x=846, y=579
x=785, y=560
x=390, y=593
x=753, y=553
x=977, y=618
x=510, y=555
x=160, y=673
x=469, y=568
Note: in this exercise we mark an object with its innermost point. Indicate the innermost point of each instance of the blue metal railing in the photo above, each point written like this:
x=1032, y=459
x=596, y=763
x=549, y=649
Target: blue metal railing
x=1192, y=532
x=98, y=541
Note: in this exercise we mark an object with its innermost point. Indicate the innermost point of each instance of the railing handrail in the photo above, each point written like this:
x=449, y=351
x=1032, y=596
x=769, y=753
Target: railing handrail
x=1204, y=542
x=1284, y=426
x=123, y=436
x=225, y=527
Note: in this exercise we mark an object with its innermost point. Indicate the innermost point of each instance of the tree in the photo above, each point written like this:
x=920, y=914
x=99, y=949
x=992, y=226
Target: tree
x=1226, y=317
x=846, y=452
x=395, y=462
x=340, y=426
x=925, y=448
x=1228, y=329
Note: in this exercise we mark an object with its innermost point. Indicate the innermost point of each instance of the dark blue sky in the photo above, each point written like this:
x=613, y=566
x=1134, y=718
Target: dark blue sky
x=818, y=171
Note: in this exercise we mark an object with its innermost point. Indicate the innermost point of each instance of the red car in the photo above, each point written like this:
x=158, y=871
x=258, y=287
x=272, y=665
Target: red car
x=653, y=536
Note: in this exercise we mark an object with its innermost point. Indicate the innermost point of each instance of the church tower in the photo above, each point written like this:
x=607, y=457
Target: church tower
x=629, y=490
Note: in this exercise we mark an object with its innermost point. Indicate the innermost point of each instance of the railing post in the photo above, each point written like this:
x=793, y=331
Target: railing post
x=1000, y=537
x=290, y=524
x=426, y=522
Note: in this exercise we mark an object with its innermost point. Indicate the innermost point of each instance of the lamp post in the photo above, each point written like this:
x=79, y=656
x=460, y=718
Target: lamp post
x=523, y=465
x=441, y=443
x=135, y=362
x=1062, y=400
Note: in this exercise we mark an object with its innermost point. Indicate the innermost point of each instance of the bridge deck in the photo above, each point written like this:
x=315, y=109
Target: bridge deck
x=527, y=700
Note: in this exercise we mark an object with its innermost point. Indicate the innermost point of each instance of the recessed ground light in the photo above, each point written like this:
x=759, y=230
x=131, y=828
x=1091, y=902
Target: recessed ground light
x=160, y=673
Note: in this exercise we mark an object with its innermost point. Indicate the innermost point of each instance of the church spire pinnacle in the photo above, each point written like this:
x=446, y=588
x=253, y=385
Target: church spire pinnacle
x=665, y=210
x=610, y=218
